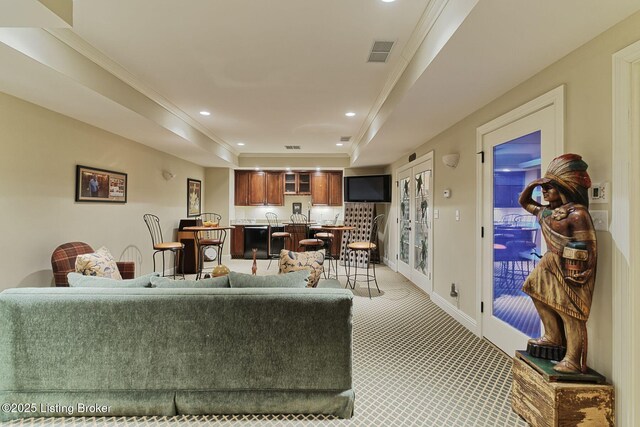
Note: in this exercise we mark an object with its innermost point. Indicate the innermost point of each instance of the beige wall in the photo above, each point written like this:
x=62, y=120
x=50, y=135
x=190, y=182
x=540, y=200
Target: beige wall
x=40, y=150
x=586, y=72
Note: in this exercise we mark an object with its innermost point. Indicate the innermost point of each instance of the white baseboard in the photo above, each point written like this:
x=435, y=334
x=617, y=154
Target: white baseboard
x=462, y=318
x=390, y=264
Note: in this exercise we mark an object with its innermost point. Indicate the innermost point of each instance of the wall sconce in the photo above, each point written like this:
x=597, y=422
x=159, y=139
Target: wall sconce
x=168, y=175
x=451, y=160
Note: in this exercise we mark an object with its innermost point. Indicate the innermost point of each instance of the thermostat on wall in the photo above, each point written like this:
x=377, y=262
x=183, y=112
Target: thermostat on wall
x=599, y=193
x=446, y=193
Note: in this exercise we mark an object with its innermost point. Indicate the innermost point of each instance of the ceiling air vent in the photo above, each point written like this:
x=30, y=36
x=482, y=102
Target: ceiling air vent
x=380, y=51
x=292, y=147
x=345, y=138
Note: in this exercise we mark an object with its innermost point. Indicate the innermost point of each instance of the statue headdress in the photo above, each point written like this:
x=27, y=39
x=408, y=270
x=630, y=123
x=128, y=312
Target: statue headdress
x=568, y=173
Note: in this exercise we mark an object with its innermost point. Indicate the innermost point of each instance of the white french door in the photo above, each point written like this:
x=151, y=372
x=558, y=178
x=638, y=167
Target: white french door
x=415, y=222
x=514, y=155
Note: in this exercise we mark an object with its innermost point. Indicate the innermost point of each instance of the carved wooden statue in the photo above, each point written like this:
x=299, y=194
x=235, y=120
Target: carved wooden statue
x=561, y=285
x=254, y=266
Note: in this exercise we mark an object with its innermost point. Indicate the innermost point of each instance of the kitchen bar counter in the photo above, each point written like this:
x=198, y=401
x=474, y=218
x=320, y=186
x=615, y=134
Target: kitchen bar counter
x=238, y=238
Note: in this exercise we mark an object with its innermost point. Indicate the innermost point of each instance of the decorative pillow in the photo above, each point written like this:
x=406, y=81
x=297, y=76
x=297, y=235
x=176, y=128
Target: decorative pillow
x=77, y=280
x=100, y=263
x=214, y=282
x=297, y=279
x=294, y=261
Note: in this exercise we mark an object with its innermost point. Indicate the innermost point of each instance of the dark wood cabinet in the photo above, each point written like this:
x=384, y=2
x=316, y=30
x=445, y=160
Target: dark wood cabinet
x=320, y=188
x=275, y=188
x=257, y=189
x=290, y=183
x=304, y=183
x=268, y=188
x=242, y=188
x=326, y=189
x=335, y=189
x=237, y=242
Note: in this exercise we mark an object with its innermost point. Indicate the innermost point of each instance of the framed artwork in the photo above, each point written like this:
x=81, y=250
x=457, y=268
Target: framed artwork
x=194, y=197
x=297, y=208
x=100, y=185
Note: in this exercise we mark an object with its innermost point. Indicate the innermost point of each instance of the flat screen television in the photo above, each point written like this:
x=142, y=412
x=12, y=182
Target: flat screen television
x=367, y=188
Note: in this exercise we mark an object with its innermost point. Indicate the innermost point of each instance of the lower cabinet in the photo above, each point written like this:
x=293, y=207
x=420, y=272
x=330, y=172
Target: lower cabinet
x=237, y=242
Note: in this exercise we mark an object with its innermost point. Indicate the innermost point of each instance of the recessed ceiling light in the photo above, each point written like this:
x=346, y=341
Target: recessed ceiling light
x=339, y=144
x=388, y=1
x=205, y=113
x=241, y=143
x=350, y=114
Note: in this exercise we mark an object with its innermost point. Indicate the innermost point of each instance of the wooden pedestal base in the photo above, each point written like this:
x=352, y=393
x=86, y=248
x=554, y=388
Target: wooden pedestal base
x=547, y=402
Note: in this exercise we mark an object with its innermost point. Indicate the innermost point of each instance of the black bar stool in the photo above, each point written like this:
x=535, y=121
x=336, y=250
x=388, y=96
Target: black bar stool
x=275, y=236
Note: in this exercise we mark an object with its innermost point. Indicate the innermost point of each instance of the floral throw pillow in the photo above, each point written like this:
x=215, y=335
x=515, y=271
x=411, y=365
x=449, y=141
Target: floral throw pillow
x=100, y=263
x=295, y=261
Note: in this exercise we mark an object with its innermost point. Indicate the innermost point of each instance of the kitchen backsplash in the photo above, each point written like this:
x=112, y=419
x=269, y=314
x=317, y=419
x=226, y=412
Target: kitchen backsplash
x=319, y=214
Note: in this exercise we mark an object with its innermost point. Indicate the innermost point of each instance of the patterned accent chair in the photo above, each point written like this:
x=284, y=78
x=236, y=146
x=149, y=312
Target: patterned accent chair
x=63, y=261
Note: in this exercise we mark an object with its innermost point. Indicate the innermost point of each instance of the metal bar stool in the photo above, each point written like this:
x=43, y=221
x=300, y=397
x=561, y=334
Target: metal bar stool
x=210, y=239
x=327, y=239
x=272, y=219
x=300, y=226
x=153, y=224
x=354, y=248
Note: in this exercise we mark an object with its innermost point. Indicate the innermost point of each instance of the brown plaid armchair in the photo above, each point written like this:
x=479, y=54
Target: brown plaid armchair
x=63, y=260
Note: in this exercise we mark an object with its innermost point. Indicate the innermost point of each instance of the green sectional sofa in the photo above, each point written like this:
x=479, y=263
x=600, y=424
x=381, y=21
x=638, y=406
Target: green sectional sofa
x=154, y=351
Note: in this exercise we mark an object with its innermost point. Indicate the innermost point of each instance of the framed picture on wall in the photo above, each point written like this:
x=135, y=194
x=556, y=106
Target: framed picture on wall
x=100, y=185
x=194, y=197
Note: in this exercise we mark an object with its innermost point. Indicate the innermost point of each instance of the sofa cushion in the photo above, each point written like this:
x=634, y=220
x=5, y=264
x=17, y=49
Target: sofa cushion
x=99, y=263
x=295, y=261
x=213, y=282
x=78, y=280
x=296, y=279
x=330, y=284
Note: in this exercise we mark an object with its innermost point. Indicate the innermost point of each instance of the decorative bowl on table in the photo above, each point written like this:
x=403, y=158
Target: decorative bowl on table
x=209, y=224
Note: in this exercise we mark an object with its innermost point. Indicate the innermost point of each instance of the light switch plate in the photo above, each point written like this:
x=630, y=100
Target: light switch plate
x=436, y=213
x=600, y=220
x=457, y=215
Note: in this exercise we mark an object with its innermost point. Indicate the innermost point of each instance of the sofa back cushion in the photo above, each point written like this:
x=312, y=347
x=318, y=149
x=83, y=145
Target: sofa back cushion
x=175, y=339
x=213, y=282
x=77, y=280
x=296, y=279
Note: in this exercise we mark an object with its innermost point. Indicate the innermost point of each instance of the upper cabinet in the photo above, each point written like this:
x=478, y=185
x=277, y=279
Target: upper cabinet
x=242, y=188
x=304, y=183
x=258, y=188
x=268, y=188
x=290, y=183
x=275, y=185
x=297, y=183
x=335, y=189
x=326, y=188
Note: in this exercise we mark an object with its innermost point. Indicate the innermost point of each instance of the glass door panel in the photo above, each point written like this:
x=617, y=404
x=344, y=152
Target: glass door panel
x=516, y=234
x=404, y=230
x=422, y=203
x=415, y=223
